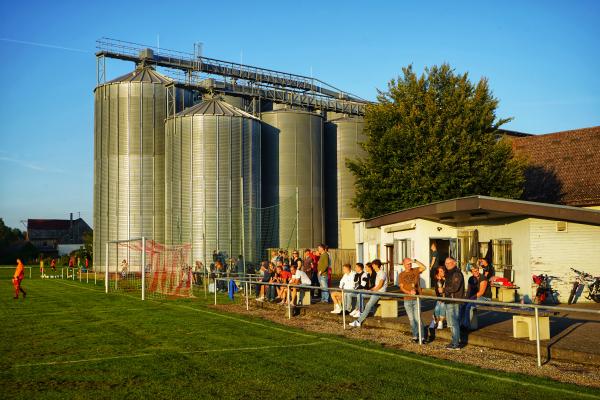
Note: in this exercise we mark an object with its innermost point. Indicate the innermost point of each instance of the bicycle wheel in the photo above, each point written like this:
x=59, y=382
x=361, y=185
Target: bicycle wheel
x=573, y=291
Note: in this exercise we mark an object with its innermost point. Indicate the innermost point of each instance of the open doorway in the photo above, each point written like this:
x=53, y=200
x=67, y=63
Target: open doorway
x=440, y=249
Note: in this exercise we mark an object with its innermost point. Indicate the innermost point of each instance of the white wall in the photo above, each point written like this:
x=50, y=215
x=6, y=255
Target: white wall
x=517, y=231
x=554, y=253
x=377, y=238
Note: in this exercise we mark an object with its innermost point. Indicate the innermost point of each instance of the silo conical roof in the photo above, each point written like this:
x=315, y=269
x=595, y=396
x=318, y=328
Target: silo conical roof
x=146, y=74
x=214, y=107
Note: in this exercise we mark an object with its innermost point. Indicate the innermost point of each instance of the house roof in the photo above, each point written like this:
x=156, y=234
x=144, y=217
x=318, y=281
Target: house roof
x=475, y=209
x=55, y=224
x=48, y=224
x=564, y=166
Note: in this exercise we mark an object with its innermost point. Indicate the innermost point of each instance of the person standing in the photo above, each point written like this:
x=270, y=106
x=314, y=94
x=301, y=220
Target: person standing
x=409, y=284
x=295, y=258
x=323, y=272
x=53, y=265
x=18, y=278
x=380, y=287
x=42, y=266
x=434, y=260
x=454, y=289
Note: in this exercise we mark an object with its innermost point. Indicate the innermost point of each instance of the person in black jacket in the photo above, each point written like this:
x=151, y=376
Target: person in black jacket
x=454, y=289
x=361, y=281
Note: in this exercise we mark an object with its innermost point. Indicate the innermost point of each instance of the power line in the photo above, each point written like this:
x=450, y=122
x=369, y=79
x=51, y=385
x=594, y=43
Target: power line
x=47, y=45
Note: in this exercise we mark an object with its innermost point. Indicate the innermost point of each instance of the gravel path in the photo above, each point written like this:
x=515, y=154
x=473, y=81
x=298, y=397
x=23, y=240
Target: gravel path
x=579, y=374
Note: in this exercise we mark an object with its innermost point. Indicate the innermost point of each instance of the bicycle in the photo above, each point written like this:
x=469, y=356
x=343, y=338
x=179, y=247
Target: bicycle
x=581, y=280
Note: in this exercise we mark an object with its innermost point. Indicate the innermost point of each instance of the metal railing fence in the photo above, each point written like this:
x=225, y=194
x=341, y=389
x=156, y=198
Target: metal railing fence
x=505, y=307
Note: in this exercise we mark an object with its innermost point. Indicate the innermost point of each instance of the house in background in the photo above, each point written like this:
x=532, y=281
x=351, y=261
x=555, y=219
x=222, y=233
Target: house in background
x=526, y=238
x=564, y=167
x=57, y=236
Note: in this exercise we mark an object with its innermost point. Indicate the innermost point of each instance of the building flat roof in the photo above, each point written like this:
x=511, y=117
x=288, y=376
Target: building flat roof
x=474, y=209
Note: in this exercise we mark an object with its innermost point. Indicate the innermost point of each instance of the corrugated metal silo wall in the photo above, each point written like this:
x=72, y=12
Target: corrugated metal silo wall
x=129, y=164
x=206, y=157
x=330, y=194
x=299, y=138
x=350, y=132
x=349, y=135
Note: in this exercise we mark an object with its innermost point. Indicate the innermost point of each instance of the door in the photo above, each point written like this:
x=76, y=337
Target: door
x=389, y=264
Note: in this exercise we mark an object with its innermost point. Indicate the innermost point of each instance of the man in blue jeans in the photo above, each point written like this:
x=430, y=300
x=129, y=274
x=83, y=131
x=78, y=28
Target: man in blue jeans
x=323, y=271
x=380, y=287
x=454, y=289
x=410, y=284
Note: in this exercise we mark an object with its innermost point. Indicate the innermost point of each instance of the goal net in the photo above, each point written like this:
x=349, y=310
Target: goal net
x=148, y=268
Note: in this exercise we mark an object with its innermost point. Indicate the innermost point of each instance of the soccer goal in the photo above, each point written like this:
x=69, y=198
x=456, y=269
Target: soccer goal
x=145, y=267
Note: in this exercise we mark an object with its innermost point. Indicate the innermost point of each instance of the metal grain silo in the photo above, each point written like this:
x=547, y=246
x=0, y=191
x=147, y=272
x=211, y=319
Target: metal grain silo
x=211, y=149
x=347, y=133
x=129, y=114
x=296, y=138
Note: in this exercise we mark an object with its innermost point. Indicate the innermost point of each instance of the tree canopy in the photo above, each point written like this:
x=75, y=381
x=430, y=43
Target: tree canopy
x=433, y=137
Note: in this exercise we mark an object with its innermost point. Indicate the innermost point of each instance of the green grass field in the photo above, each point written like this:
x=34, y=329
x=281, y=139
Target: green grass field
x=71, y=340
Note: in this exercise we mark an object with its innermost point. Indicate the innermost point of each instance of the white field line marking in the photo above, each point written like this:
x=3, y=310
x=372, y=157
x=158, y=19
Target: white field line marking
x=207, y=312
x=392, y=354
x=233, y=349
x=99, y=291
x=466, y=371
x=244, y=321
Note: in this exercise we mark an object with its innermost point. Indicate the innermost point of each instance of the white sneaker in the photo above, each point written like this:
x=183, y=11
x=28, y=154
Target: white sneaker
x=336, y=309
x=260, y=299
x=355, y=324
x=440, y=325
x=355, y=314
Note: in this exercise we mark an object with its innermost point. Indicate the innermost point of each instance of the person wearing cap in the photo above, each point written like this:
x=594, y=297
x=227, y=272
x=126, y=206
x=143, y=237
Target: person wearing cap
x=18, y=277
x=410, y=284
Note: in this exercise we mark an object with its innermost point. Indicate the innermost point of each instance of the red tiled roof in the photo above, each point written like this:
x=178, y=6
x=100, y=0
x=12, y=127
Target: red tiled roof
x=564, y=161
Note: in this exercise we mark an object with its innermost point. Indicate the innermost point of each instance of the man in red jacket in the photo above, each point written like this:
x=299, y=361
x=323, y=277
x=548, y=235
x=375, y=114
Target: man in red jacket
x=17, y=278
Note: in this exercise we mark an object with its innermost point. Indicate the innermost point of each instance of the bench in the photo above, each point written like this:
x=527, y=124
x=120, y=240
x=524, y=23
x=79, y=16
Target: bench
x=305, y=298
x=524, y=326
x=504, y=294
x=388, y=308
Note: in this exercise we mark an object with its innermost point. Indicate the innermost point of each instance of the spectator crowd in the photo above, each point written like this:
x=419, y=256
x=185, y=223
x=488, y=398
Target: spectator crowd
x=310, y=279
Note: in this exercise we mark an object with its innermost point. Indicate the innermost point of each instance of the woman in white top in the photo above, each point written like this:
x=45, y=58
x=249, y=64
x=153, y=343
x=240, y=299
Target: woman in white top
x=347, y=282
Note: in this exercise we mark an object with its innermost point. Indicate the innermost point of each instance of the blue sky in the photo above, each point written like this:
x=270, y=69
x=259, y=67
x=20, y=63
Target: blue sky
x=542, y=59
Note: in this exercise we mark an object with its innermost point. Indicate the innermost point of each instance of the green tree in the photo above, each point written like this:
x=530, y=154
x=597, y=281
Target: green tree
x=9, y=235
x=433, y=137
